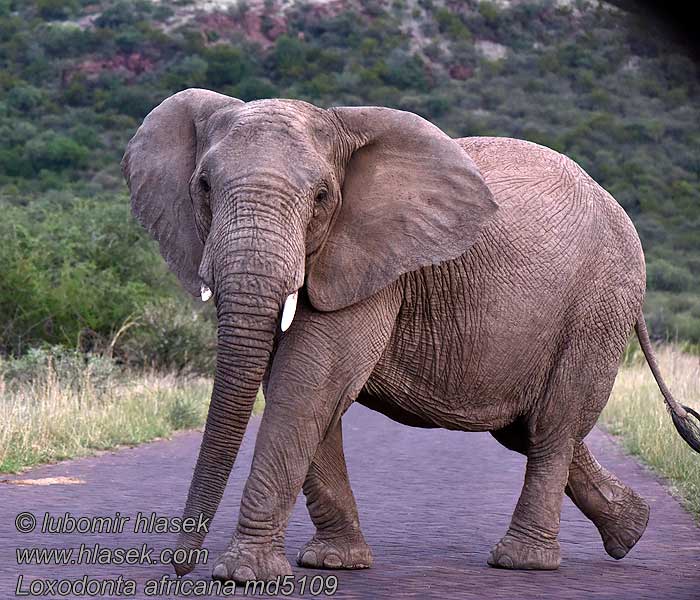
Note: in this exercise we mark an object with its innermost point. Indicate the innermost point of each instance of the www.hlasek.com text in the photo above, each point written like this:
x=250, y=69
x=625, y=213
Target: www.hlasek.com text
x=97, y=554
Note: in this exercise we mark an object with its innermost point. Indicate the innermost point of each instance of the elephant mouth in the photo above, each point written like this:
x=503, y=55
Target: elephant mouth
x=288, y=311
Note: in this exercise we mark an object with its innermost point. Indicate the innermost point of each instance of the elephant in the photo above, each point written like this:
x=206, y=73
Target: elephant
x=360, y=254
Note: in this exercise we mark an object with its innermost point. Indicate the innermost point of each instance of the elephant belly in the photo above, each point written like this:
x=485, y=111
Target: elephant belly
x=392, y=410
x=449, y=377
x=471, y=359
x=412, y=403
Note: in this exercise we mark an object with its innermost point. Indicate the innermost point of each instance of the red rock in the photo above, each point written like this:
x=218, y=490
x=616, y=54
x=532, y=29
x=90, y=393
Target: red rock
x=461, y=72
x=130, y=65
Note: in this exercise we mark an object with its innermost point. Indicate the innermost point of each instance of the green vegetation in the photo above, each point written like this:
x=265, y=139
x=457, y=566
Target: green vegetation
x=636, y=412
x=78, y=272
x=77, y=78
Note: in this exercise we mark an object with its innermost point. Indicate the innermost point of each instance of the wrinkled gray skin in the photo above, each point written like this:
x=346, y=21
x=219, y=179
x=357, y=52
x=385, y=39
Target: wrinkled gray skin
x=481, y=284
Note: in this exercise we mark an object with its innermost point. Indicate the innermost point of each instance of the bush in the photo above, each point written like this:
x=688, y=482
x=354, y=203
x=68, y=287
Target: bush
x=289, y=57
x=452, y=25
x=132, y=101
x=55, y=152
x=72, y=267
x=226, y=65
x=72, y=368
x=171, y=335
x=122, y=14
x=686, y=327
x=68, y=40
x=56, y=9
x=253, y=88
x=666, y=276
x=24, y=98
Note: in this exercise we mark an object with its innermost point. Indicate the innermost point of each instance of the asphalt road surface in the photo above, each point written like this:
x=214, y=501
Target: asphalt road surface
x=432, y=503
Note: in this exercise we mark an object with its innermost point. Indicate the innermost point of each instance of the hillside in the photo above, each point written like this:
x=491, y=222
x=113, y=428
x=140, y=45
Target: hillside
x=590, y=80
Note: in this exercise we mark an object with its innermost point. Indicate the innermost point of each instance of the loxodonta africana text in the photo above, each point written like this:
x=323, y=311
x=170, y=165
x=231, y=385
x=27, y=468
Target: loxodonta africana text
x=479, y=284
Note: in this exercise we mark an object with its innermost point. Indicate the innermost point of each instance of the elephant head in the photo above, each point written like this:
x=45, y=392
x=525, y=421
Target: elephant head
x=255, y=200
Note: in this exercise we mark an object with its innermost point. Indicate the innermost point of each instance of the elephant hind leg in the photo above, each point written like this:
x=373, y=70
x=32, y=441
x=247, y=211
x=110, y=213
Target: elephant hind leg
x=531, y=540
x=338, y=542
x=620, y=514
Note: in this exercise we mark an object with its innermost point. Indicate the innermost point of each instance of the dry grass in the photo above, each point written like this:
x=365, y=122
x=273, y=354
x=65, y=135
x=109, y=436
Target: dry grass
x=636, y=412
x=46, y=419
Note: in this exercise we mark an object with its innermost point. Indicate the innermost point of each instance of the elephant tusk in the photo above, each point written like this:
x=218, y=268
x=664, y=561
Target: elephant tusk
x=290, y=308
x=205, y=292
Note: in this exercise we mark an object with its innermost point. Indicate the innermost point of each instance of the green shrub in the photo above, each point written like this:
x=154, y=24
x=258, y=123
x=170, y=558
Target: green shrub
x=289, y=58
x=132, y=101
x=254, y=88
x=123, y=14
x=666, y=276
x=686, y=327
x=55, y=152
x=24, y=98
x=56, y=9
x=452, y=25
x=169, y=334
x=489, y=11
x=68, y=40
x=72, y=369
x=74, y=268
x=226, y=65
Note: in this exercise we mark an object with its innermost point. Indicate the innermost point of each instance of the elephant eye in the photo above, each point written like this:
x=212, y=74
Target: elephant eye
x=321, y=195
x=204, y=183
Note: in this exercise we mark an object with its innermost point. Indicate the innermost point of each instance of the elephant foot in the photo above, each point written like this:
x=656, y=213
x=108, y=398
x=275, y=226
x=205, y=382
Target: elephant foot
x=344, y=552
x=248, y=561
x=511, y=553
x=623, y=523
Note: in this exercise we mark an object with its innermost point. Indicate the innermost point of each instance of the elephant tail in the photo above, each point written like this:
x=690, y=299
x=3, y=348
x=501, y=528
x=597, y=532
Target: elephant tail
x=682, y=415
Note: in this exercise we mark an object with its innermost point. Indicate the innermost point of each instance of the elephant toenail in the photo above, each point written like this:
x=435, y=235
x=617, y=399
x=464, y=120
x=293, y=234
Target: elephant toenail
x=617, y=552
x=332, y=561
x=506, y=561
x=502, y=561
x=243, y=574
x=220, y=572
x=309, y=558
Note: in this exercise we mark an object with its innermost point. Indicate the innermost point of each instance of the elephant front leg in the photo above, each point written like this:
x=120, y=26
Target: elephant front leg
x=531, y=541
x=289, y=436
x=283, y=452
x=338, y=542
x=319, y=368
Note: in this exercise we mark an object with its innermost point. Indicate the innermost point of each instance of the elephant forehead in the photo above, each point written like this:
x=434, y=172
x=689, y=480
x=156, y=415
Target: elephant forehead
x=290, y=126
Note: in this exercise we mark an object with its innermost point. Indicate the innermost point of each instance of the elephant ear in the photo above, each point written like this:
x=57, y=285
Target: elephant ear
x=411, y=197
x=158, y=164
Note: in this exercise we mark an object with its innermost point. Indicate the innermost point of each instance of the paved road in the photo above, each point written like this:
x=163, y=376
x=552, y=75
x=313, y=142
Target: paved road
x=431, y=503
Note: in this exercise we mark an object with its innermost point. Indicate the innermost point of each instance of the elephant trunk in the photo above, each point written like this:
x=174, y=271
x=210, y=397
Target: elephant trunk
x=251, y=285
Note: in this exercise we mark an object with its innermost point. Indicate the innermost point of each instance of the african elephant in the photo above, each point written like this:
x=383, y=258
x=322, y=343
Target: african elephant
x=479, y=284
